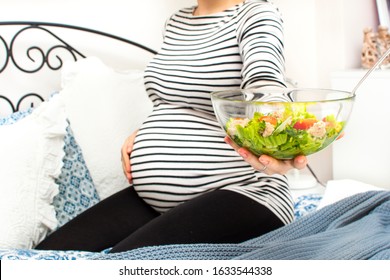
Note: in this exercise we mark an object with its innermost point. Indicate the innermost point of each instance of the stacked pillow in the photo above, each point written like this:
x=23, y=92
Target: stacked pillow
x=104, y=107
x=75, y=185
x=31, y=157
x=76, y=189
x=64, y=156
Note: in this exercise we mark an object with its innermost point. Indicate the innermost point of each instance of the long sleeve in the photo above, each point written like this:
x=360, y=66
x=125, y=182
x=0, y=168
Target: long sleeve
x=260, y=38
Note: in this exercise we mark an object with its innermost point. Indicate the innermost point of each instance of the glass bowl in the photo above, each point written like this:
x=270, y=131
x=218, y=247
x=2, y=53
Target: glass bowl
x=296, y=121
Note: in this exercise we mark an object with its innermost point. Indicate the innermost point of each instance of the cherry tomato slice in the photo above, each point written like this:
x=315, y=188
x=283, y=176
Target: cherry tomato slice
x=304, y=124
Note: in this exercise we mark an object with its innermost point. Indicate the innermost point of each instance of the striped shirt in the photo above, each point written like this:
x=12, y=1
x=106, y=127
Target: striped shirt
x=179, y=152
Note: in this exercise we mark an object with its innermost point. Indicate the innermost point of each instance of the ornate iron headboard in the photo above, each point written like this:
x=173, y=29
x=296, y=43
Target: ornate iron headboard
x=49, y=56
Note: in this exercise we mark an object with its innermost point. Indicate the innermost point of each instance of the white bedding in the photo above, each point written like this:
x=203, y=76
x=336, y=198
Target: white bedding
x=339, y=189
x=31, y=158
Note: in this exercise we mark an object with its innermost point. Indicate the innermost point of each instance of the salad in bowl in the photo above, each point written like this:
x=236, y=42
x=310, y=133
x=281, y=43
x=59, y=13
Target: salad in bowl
x=283, y=123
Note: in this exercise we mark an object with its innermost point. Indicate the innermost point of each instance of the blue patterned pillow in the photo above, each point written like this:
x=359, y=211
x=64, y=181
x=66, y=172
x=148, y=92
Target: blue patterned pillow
x=13, y=118
x=76, y=189
x=306, y=204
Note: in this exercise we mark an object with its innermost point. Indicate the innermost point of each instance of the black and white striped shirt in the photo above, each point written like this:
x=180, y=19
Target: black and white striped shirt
x=179, y=152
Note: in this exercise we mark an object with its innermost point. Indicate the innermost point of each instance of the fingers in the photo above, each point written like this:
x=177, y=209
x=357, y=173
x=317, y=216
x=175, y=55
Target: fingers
x=253, y=160
x=300, y=162
x=246, y=155
x=275, y=166
x=282, y=166
x=125, y=158
x=340, y=136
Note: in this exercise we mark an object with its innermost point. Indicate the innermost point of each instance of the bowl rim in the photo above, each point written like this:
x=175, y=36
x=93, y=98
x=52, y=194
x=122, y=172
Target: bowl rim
x=349, y=95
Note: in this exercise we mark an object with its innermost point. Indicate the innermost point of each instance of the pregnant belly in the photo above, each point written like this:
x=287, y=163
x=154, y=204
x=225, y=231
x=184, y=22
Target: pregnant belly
x=177, y=158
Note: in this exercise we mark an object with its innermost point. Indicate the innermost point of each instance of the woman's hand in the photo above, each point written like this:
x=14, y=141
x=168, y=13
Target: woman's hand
x=267, y=164
x=127, y=148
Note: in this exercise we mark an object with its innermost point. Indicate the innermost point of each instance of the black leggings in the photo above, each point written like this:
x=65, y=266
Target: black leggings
x=124, y=222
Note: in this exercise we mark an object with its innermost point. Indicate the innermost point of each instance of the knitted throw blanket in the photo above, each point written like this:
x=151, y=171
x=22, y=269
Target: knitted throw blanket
x=357, y=227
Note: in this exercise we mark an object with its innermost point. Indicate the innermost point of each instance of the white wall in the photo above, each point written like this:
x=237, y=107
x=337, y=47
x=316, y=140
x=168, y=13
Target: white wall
x=141, y=21
x=322, y=36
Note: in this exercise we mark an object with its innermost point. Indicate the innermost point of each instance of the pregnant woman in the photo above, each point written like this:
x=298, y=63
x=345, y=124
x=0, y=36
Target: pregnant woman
x=188, y=182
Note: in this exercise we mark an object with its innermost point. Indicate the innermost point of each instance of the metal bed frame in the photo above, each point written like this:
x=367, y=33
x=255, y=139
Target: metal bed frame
x=47, y=56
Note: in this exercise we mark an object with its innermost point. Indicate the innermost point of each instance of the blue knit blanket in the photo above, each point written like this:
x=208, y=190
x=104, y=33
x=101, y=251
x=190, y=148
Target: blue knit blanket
x=357, y=227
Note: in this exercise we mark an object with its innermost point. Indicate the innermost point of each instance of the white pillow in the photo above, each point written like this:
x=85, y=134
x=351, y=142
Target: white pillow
x=339, y=189
x=31, y=158
x=104, y=107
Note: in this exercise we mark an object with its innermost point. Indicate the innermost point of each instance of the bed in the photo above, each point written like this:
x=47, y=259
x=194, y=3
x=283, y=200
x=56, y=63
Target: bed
x=68, y=92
